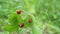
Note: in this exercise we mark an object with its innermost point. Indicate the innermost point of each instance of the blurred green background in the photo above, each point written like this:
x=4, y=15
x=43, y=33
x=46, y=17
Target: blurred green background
x=45, y=15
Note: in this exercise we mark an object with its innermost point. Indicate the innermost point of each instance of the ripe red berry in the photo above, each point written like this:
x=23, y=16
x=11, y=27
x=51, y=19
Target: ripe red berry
x=18, y=12
x=21, y=25
x=29, y=21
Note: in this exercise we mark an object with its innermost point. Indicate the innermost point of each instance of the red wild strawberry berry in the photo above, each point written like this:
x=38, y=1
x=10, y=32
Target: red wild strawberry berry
x=29, y=21
x=21, y=25
x=18, y=12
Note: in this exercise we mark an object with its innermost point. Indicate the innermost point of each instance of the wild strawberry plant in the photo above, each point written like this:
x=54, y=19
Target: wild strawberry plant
x=30, y=16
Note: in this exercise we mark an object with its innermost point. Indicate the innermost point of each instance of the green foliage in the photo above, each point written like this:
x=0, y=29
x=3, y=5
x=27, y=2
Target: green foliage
x=15, y=19
x=44, y=15
x=27, y=24
x=10, y=28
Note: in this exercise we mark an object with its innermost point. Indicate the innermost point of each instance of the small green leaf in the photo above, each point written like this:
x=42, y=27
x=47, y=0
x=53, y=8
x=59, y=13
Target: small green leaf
x=15, y=19
x=10, y=28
